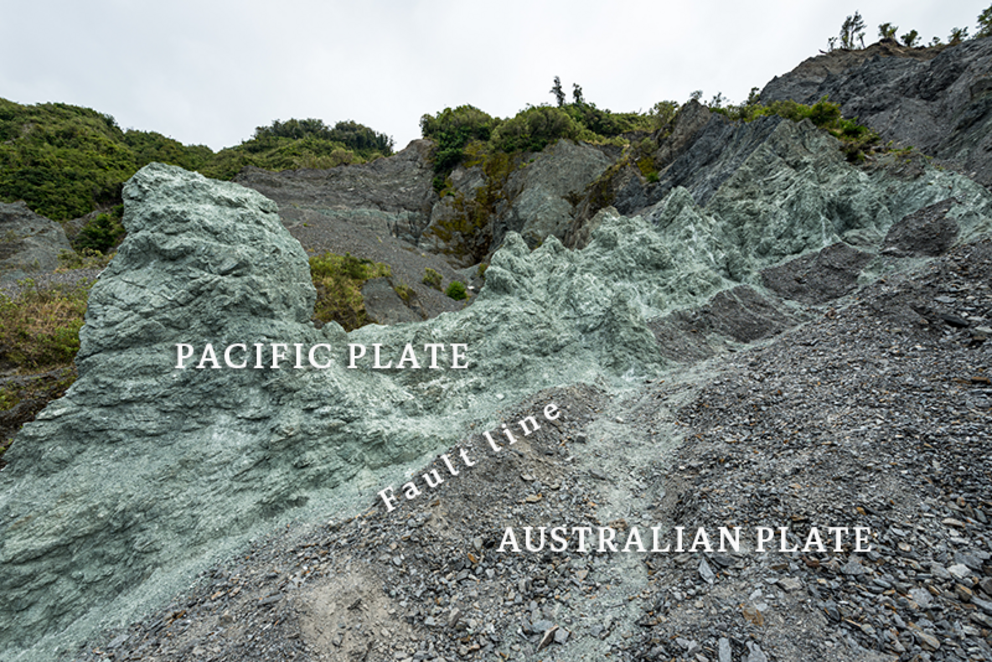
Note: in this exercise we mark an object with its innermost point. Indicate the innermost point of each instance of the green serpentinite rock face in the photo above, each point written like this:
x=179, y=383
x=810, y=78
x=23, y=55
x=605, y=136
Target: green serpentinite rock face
x=144, y=473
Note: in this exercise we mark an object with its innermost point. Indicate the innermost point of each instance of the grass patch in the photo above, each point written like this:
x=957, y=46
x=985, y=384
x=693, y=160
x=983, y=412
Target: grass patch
x=339, y=280
x=432, y=279
x=39, y=329
x=85, y=258
x=39, y=333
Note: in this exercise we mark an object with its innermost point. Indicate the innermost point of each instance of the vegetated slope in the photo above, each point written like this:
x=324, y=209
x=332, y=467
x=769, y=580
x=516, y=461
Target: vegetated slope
x=64, y=161
x=937, y=100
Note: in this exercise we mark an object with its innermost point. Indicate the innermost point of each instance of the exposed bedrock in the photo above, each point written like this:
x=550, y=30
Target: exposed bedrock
x=143, y=472
x=29, y=244
x=938, y=100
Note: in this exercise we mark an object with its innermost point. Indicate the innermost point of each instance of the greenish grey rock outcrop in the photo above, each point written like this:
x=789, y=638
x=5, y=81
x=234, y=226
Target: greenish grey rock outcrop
x=142, y=472
x=541, y=196
x=29, y=243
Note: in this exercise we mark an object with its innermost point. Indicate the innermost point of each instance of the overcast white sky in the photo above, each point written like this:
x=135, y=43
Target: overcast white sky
x=204, y=71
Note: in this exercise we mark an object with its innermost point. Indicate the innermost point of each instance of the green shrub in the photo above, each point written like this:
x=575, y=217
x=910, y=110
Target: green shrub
x=451, y=130
x=353, y=136
x=338, y=280
x=404, y=292
x=533, y=129
x=456, y=290
x=101, y=233
x=432, y=279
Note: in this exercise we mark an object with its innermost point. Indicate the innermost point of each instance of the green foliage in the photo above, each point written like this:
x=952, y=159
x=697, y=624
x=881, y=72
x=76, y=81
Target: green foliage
x=456, y=290
x=595, y=124
x=276, y=153
x=482, y=269
x=351, y=135
x=39, y=329
x=911, y=38
x=149, y=147
x=957, y=36
x=533, y=129
x=296, y=144
x=887, y=31
x=558, y=92
x=404, y=292
x=451, y=130
x=432, y=279
x=338, y=280
x=85, y=258
x=663, y=114
x=60, y=159
x=65, y=161
x=102, y=233
x=984, y=23
x=852, y=32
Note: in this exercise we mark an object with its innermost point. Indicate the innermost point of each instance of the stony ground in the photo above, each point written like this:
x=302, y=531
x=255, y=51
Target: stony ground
x=874, y=414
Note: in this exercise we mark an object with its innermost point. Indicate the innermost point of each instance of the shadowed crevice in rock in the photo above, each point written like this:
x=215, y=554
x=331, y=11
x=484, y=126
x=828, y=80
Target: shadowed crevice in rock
x=924, y=233
x=818, y=278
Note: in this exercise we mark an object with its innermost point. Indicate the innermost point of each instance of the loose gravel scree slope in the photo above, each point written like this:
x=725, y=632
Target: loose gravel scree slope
x=874, y=414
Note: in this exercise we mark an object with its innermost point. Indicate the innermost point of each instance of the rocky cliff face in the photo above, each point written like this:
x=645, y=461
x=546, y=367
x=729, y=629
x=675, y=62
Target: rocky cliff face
x=29, y=243
x=938, y=101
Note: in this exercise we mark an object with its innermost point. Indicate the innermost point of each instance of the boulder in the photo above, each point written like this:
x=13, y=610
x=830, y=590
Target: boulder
x=29, y=244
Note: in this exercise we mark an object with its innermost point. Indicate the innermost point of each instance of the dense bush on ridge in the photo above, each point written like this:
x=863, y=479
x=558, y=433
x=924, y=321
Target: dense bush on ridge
x=65, y=161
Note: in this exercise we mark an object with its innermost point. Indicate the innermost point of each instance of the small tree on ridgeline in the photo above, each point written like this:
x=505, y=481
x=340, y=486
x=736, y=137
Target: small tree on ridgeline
x=558, y=92
x=577, y=94
x=984, y=24
x=957, y=36
x=852, y=31
x=911, y=38
x=887, y=31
